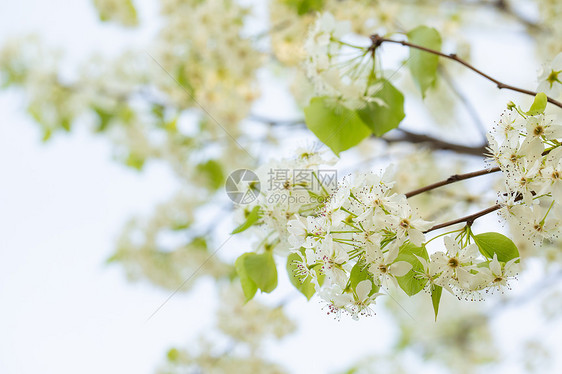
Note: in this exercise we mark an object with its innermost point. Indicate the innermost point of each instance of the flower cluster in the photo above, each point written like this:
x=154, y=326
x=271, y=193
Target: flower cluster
x=527, y=150
x=250, y=322
x=367, y=238
x=464, y=271
x=550, y=77
x=156, y=248
x=339, y=69
x=355, y=242
x=197, y=45
x=288, y=187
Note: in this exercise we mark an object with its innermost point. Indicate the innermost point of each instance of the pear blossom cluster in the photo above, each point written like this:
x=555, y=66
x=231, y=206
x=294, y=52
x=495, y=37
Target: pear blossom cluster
x=288, y=188
x=366, y=237
x=337, y=68
x=527, y=150
x=550, y=77
x=465, y=272
x=359, y=230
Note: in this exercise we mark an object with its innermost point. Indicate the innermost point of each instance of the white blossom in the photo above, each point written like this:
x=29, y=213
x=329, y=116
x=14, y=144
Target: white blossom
x=550, y=77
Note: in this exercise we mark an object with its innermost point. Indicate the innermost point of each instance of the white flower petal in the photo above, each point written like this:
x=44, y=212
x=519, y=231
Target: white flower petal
x=400, y=268
x=363, y=288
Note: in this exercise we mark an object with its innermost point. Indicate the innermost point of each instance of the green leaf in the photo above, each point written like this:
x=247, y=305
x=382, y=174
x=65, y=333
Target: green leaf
x=173, y=355
x=305, y=287
x=104, y=118
x=409, y=283
x=335, y=125
x=172, y=125
x=383, y=118
x=47, y=133
x=494, y=242
x=423, y=65
x=252, y=218
x=135, y=161
x=125, y=13
x=158, y=111
x=66, y=123
x=248, y=285
x=539, y=104
x=212, y=170
x=183, y=80
x=436, y=298
x=305, y=6
x=360, y=273
x=177, y=226
x=261, y=269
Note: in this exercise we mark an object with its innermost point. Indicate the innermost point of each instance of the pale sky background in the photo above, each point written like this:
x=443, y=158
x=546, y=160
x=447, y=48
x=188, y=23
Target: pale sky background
x=63, y=204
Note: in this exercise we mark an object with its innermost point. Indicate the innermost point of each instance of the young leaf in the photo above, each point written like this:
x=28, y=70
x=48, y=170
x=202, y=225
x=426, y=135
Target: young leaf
x=409, y=283
x=305, y=6
x=305, y=287
x=383, y=118
x=436, y=298
x=335, y=125
x=248, y=285
x=135, y=161
x=123, y=12
x=423, y=65
x=360, y=273
x=539, y=104
x=250, y=220
x=212, y=171
x=104, y=117
x=261, y=269
x=494, y=242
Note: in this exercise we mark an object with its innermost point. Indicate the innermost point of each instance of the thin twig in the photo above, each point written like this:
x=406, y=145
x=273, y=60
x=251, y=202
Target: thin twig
x=437, y=144
x=406, y=136
x=468, y=219
x=378, y=40
x=505, y=7
x=499, y=5
x=275, y=122
x=452, y=179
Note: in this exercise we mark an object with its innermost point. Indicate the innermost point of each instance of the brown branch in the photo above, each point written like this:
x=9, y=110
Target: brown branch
x=472, y=217
x=377, y=40
x=452, y=179
x=504, y=7
x=436, y=144
x=468, y=219
x=500, y=5
x=406, y=136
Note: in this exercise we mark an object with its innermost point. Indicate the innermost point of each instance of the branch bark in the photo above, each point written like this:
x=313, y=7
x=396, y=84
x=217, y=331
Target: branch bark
x=436, y=144
x=452, y=179
x=468, y=219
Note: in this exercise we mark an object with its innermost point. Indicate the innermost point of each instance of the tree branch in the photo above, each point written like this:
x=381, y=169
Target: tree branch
x=436, y=144
x=377, y=40
x=407, y=136
x=468, y=219
x=504, y=7
x=452, y=179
